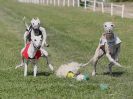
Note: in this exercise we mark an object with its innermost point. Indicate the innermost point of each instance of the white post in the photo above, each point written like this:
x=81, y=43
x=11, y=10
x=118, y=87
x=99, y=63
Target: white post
x=73, y=2
x=85, y=4
x=78, y=2
x=94, y=5
x=50, y=2
x=24, y=1
x=64, y=2
x=102, y=7
x=54, y=2
x=47, y=2
x=111, y=9
x=122, y=14
x=58, y=2
x=31, y=1
x=38, y=1
x=42, y=1
x=68, y=3
x=35, y=1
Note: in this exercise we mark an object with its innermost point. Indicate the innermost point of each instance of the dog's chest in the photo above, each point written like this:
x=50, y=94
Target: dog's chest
x=37, y=32
x=29, y=53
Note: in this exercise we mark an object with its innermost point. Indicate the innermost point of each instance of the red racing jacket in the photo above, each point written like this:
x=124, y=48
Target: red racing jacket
x=25, y=53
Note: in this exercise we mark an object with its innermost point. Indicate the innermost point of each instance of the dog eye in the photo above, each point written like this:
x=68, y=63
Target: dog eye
x=34, y=39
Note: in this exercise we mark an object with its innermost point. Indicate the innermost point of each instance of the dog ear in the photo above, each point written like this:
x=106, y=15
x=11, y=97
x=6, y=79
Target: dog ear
x=42, y=36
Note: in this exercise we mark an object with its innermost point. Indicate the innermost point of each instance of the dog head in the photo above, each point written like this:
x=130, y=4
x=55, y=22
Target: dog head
x=108, y=29
x=37, y=41
x=35, y=22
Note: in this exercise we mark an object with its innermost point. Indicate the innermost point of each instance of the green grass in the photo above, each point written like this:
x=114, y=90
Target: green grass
x=73, y=35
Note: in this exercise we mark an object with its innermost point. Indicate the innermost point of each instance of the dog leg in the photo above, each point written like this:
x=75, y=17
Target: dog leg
x=22, y=63
x=98, y=54
x=49, y=65
x=25, y=69
x=45, y=54
x=109, y=56
x=112, y=60
x=35, y=70
x=116, y=56
x=44, y=37
x=110, y=68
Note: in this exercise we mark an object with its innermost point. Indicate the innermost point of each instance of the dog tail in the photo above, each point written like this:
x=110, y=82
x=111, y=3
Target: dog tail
x=26, y=25
x=83, y=65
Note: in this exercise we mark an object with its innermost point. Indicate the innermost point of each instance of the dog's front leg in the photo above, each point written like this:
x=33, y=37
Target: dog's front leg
x=49, y=65
x=35, y=68
x=25, y=68
x=111, y=60
x=110, y=67
x=45, y=54
x=116, y=57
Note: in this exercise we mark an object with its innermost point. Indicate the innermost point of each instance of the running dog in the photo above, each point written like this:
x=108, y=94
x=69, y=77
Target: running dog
x=34, y=29
x=31, y=53
x=109, y=45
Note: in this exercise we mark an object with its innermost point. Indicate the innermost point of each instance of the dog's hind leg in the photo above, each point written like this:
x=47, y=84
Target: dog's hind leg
x=22, y=60
x=98, y=54
x=22, y=63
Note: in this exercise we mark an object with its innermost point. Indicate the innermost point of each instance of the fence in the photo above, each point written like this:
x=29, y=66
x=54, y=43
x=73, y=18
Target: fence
x=93, y=4
x=54, y=2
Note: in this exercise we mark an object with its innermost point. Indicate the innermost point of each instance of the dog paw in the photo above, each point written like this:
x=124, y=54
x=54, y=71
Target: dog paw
x=19, y=66
x=51, y=67
x=93, y=73
x=47, y=45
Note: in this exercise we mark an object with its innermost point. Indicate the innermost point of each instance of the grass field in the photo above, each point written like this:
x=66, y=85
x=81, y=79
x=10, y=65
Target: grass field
x=73, y=35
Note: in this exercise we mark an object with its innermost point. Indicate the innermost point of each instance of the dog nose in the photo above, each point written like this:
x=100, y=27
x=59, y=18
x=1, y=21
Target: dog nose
x=38, y=47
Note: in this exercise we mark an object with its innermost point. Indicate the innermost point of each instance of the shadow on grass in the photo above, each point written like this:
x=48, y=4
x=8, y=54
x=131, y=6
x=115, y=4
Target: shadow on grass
x=41, y=73
x=114, y=74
